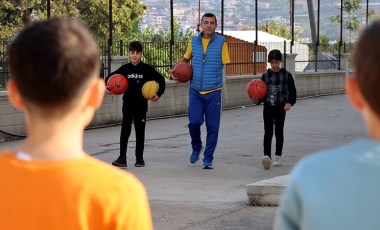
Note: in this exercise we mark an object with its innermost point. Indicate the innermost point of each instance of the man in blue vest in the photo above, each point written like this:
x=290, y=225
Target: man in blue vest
x=209, y=53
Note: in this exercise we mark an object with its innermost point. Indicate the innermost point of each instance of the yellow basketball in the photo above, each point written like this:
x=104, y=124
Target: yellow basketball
x=149, y=89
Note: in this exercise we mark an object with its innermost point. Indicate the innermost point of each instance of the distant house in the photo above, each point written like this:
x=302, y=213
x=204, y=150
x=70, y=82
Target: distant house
x=270, y=41
x=242, y=59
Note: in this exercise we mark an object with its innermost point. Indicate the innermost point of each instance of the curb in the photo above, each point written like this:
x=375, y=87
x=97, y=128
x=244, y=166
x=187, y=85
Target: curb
x=266, y=192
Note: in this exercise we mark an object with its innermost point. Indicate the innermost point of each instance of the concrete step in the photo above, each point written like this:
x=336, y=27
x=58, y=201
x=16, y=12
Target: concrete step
x=266, y=192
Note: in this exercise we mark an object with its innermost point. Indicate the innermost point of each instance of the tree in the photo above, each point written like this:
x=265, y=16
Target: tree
x=126, y=14
x=157, y=46
x=180, y=35
x=281, y=29
x=324, y=42
x=15, y=14
x=352, y=24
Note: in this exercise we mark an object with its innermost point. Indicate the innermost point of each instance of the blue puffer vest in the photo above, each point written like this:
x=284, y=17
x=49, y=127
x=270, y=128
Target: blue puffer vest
x=207, y=67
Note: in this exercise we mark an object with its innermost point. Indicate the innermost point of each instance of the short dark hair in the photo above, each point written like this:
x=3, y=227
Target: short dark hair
x=274, y=54
x=209, y=15
x=51, y=61
x=135, y=46
x=366, y=62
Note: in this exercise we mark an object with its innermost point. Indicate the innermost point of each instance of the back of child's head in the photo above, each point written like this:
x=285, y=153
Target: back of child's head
x=135, y=46
x=52, y=61
x=366, y=64
x=274, y=55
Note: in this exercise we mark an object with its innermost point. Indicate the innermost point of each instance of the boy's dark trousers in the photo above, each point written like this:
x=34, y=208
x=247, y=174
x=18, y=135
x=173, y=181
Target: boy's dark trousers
x=273, y=115
x=137, y=114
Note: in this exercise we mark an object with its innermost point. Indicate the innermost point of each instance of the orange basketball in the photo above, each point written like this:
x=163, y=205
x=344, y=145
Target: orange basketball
x=117, y=84
x=257, y=89
x=183, y=72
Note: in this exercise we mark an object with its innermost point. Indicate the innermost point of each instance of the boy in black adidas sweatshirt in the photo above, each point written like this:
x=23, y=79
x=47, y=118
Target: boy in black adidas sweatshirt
x=135, y=106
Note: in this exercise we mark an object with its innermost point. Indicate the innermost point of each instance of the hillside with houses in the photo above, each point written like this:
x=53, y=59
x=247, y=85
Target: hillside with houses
x=240, y=14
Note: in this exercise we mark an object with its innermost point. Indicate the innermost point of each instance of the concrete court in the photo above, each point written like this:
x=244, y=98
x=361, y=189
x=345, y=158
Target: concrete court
x=184, y=196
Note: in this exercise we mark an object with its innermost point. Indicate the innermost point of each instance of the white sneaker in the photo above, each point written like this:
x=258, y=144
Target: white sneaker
x=277, y=161
x=267, y=162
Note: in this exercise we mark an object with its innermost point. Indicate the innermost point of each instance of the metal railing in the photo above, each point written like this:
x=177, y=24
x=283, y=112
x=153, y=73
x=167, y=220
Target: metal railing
x=4, y=72
x=245, y=60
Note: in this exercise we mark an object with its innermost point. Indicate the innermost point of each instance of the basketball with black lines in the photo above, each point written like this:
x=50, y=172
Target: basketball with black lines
x=117, y=84
x=257, y=89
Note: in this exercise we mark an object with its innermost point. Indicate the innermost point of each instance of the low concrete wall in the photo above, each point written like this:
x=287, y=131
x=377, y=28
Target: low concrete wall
x=175, y=100
x=319, y=83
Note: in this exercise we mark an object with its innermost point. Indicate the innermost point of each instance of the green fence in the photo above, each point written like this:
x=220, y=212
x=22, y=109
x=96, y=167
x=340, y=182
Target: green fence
x=157, y=54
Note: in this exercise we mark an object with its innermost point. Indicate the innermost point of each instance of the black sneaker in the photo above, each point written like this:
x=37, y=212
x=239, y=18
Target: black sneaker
x=120, y=162
x=140, y=163
x=208, y=166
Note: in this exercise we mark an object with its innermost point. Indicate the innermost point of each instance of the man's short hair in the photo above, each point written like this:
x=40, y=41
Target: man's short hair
x=209, y=15
x=274, y=55
x=366, y=62
x=135, y=46
x=51, y=61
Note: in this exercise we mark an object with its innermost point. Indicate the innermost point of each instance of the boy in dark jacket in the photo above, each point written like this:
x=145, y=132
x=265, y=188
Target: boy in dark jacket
x=135, y=106
x=281, y=96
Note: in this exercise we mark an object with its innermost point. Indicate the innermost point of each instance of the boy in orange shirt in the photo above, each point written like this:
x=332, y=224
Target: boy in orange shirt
x=48, y=181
